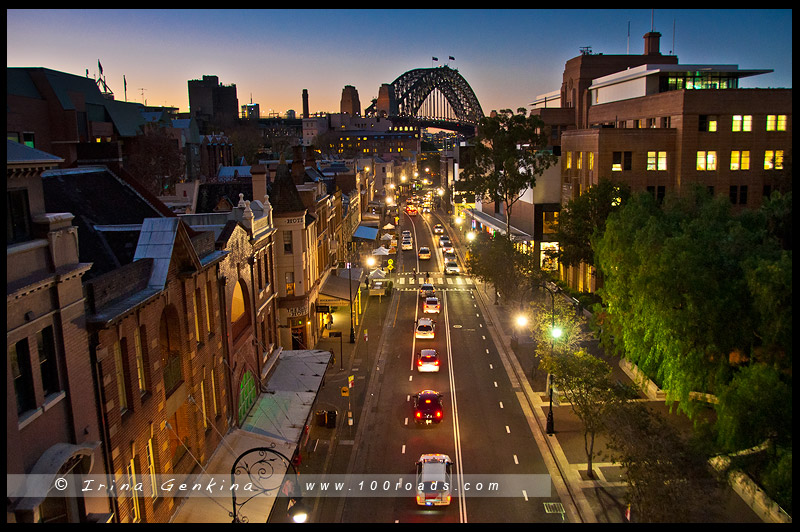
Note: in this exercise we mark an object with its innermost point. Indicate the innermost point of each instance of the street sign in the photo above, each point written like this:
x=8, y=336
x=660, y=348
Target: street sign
x=390, y=262
x=366, y=338
x=323, y=309
x=350, y=379
x=390, y=267
x=345, y=391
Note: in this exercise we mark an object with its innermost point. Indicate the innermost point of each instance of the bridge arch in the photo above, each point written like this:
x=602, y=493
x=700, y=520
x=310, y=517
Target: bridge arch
x=411, y=90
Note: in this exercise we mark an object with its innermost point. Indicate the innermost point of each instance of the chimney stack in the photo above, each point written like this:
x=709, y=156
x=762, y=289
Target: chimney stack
x=305, y=103
x=651, y=43
x=259, y=178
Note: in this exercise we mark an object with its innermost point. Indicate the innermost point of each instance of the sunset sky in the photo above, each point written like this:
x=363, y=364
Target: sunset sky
x=507, y=56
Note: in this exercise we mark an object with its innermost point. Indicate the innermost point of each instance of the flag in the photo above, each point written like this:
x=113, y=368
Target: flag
x=451, y=58
x=100, y=67
x=434, y=58
x=628, y=513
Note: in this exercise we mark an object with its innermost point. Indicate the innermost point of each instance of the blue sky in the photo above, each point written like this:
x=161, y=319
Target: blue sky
x=507, y=56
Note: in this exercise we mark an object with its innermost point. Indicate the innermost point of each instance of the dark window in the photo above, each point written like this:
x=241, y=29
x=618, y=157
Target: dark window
x=23, y=376
x=18, y=216
x=743, y=195
x=733, y=193
x=48, y=364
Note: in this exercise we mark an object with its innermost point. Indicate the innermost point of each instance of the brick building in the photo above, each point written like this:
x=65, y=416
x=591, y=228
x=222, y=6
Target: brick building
x=660, y=126
x=154, y=329
x=52, y=428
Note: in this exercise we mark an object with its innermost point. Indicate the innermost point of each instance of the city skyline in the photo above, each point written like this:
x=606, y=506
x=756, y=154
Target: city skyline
x=507, y=56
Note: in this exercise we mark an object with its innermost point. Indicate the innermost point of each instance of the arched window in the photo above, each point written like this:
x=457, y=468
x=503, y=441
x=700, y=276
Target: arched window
x=240, y=310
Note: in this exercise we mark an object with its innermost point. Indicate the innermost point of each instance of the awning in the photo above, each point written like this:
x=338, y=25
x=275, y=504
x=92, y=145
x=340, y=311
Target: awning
x=276, y=421
x=498, y=225
x=335, y=290
x=365, y=232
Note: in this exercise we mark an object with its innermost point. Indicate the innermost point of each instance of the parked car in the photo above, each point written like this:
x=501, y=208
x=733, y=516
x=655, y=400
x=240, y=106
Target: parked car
x=407, y=244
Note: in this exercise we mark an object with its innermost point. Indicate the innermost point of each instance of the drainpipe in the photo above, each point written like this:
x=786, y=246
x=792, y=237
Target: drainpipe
x=100, y=401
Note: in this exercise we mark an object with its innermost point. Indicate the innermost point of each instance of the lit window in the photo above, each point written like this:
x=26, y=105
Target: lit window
x=657, y=160
x=740, y=160
x=706, y=160
x=742, y=123
x=120, y=370
x=776, y=122
x=773, y=160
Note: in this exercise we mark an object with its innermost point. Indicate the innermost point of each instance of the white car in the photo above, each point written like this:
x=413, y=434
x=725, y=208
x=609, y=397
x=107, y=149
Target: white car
x=451, y=267
x=431, y=305
x=406, y=234
x=434, y=479
x=428, y=361
x=407, y=244
x=438, y=229
x=444, y=239
x=426, y=290
x=425, y=328
x=448, y=247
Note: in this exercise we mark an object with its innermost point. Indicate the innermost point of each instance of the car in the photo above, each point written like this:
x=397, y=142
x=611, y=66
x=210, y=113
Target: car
x=448, y=248
x=431, y=305
x=424, y=252
x=425, y=328
x=428, y=408
x=426, y=290
x=428, y=360
x=434, y=479
x=407, y=244
x=426, y=208
x=444, y=239
x=438, y=229
x=411, y=210
x=406, y=234
x=451, y=267
x=449, y=256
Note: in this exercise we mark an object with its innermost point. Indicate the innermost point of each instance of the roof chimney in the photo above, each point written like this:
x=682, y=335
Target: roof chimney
x=305, y=103
x=651, y=40
x=259, y=178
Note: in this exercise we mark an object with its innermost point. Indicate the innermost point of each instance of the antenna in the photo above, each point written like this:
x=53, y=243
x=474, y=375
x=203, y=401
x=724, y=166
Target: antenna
x=652, y=15
x=143, y=89
x=628, y=47
x=672, y=52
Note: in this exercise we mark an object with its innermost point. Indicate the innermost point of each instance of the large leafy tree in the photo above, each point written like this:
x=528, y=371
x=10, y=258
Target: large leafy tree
x=509, y=154
x=583, y=220
x=496, y=260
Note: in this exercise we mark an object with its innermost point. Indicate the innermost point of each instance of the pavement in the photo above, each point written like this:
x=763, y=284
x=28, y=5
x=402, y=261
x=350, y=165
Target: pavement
x=329, y=449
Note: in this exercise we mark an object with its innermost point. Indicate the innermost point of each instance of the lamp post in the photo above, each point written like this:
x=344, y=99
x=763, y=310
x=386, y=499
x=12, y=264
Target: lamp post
x=350, y=290
x=260, y=470
x=554, y=333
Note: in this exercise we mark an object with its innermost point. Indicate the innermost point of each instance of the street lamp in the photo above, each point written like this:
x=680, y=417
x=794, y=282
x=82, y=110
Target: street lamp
x=259, y=471
x=555, y=332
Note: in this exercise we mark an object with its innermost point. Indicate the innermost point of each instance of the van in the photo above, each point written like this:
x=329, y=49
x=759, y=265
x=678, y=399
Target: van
x=434, y=479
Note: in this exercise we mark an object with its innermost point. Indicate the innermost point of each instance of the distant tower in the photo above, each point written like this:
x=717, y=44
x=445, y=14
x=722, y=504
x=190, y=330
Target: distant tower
x=350, y=103
x=305, y=103
x=387, y=101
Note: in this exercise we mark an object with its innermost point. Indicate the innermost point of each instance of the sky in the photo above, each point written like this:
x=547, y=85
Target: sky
x=508, y=57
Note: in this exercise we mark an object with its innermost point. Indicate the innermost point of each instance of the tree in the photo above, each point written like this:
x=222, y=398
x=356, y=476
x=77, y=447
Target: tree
x=587, y=384
x=509, y=154
x=667, y=482
x=157, y=161
x=583, y=220
x=496, y=260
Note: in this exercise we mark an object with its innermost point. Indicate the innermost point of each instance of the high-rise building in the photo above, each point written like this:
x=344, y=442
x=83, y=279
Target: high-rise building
x=211, y=103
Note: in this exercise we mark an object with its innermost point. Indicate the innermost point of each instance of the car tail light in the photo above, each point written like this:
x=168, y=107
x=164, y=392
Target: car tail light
x=419, y=362
x=419, y=414
x=436, y=363
x=448, y=498
x=438, y=413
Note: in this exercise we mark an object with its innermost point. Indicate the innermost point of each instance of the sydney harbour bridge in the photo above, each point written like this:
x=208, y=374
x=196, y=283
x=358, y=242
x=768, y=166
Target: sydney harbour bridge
x=436, y=97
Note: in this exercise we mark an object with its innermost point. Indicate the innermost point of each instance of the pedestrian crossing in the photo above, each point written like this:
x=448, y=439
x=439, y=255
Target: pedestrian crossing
x=435, y=279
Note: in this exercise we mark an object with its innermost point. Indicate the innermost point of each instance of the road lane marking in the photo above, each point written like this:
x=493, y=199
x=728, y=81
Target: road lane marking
x=516, y=461
x=501, y=404
x=508, y=430
x=403, y=451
